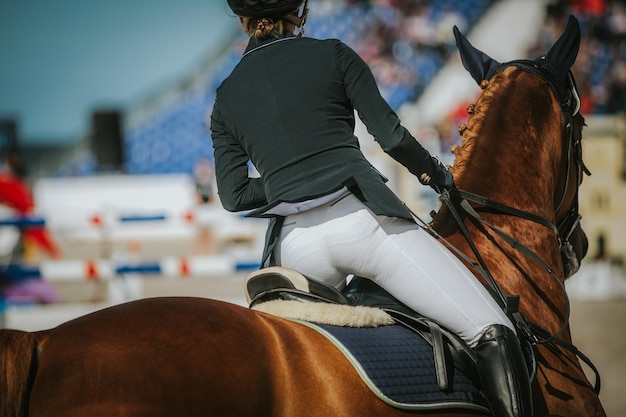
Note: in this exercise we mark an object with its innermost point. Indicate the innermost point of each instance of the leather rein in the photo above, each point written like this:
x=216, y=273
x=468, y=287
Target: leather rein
x=535, y=334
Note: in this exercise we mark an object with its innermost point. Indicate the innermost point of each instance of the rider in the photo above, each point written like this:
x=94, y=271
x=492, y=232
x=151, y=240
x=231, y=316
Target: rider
x=288, y=107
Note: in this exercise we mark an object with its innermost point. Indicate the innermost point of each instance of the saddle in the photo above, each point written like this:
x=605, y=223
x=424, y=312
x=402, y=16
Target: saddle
x=449, y=358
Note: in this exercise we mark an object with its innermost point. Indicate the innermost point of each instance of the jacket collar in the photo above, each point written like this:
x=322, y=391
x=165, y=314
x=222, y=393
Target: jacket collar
x=255, y=44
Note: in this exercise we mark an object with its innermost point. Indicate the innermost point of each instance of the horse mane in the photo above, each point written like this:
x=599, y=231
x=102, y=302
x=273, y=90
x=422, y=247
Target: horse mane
x=469, y=131
x=500, y=115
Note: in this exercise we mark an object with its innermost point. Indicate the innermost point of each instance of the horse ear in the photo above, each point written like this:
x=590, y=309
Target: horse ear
x=563, y=53
x=476, y=62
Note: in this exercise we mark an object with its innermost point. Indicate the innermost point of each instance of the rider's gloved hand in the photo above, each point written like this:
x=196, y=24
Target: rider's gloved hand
x=437, y=176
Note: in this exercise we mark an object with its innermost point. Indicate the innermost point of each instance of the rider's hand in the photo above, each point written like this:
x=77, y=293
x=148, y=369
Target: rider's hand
x=437, y=176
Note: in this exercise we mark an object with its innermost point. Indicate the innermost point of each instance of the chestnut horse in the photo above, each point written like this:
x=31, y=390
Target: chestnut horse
x=200, y=357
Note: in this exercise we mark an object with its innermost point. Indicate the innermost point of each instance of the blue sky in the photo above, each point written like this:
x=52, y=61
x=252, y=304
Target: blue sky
x=61, y=59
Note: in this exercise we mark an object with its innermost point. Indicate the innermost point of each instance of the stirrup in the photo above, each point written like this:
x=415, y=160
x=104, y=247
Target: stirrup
x=281, y=282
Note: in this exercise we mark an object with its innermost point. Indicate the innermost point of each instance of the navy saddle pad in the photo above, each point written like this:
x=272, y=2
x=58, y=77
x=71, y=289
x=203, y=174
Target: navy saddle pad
x=398, y=366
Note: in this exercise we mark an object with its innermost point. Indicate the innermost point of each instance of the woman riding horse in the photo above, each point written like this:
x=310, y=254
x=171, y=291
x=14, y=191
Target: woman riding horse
x=288, y=107
x=200, y=357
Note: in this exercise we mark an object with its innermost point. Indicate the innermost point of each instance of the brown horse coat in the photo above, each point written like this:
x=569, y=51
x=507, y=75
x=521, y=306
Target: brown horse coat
x=185, y=357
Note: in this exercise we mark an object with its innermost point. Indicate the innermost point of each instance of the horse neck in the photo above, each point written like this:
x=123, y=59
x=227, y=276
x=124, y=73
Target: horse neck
x=511, y=150
x=511, y=153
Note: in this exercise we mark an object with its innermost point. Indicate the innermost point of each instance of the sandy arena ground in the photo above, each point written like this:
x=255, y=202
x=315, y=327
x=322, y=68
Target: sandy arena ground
x=599, y=331
x=598, y=327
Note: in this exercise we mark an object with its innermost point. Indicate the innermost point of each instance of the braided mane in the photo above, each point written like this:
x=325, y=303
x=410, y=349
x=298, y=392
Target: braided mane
x=511, y=136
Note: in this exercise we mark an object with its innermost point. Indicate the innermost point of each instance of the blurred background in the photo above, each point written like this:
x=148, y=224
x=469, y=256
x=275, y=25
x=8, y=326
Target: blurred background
x=107, y=190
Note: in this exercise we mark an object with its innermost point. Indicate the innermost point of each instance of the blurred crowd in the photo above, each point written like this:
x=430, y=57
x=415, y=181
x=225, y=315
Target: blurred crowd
x=405, y=42
x=600, y=69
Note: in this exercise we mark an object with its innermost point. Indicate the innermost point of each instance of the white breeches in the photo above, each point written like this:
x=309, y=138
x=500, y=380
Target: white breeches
x=331, y=242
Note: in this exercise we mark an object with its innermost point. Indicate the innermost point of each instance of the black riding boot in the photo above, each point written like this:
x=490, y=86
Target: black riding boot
x=503, y=373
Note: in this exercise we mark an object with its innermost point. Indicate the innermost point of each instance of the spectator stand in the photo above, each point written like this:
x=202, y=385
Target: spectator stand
x=405, y=42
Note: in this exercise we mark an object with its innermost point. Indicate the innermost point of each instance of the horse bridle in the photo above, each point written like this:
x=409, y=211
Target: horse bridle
x=570, y=105
x=569, y=101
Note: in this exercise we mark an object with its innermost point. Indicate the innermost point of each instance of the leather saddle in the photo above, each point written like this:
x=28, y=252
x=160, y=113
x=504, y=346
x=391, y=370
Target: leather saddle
x=280, y=283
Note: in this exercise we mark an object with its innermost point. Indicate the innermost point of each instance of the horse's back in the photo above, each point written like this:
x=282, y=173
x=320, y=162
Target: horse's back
x=193, y=356
x=149, y=357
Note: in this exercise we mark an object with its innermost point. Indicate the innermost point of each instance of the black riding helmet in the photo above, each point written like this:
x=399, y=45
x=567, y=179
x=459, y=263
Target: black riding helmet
x=264, y=8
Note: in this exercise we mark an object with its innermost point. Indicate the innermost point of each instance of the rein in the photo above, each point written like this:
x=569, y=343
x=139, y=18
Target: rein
x=534, y=333
x=510, y=306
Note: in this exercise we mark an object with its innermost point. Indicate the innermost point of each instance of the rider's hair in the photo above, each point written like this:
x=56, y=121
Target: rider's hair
x=263, y=27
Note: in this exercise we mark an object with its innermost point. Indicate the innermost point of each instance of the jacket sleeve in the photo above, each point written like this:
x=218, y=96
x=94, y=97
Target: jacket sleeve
x=379, y=118
x=236, y=190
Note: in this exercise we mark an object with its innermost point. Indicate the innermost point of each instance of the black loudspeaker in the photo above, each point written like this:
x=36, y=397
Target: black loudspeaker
x=10, y=151
x=8, y=135
x=107, y=142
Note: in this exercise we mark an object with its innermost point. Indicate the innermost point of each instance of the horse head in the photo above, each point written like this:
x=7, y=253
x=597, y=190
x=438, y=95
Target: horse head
x=522, y=144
